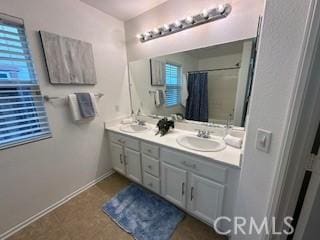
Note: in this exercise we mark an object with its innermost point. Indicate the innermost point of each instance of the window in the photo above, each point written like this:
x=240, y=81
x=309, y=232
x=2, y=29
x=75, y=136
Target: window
x=173, y=85
x=22, y=114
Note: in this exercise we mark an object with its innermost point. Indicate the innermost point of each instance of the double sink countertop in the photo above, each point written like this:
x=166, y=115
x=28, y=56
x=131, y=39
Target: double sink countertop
x=229, y=156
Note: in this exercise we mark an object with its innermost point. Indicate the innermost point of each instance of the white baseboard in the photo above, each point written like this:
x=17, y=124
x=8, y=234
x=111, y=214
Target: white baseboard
x=35, y=217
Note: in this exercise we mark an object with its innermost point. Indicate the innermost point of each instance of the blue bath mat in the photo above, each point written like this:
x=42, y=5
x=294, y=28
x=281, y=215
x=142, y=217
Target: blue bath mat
x=143, y=214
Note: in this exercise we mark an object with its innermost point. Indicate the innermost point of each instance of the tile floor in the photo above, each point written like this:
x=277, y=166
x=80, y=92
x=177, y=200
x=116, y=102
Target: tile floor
x=82, y=218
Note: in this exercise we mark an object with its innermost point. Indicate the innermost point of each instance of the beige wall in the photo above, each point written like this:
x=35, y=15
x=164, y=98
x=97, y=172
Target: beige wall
x=239, y=25
x=36, y=175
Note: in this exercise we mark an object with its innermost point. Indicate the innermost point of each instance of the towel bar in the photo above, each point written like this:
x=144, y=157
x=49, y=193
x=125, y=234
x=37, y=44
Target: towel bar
x=48, y=98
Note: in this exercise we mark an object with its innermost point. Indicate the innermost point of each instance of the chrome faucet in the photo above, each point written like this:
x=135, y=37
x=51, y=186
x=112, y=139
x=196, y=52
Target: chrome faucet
x=141, y=122
x=229, y=120
x=203, y=133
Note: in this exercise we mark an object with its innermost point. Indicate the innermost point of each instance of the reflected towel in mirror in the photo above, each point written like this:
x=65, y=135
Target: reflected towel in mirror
x=184, y=90
x=159, y=98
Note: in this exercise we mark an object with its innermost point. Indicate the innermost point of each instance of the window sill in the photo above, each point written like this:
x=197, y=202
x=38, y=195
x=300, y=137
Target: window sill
x=8, y=146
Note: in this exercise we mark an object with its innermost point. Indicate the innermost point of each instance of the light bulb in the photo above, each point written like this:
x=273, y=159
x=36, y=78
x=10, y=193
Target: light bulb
x=155, y=30
x=221, y=8
x=189, y=20
x=139, y=36
x=166, y=27
x=177, y=23
x=205, y=13
x=147, y=34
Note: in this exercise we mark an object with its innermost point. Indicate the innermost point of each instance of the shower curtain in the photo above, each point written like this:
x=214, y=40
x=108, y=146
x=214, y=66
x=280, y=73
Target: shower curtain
x=197, y=102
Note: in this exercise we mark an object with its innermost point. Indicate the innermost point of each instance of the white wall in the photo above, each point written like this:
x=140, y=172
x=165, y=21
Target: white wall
x=277, y=63
x=239, y=25
x=36, y=175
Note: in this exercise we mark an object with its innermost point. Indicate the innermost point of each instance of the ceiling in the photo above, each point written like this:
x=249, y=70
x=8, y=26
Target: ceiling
x=124, y=9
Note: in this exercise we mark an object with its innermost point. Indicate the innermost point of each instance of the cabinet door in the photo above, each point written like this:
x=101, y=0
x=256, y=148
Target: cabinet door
x=205, y=198
x=117, y=158
x=133, y=165
x=174, y=184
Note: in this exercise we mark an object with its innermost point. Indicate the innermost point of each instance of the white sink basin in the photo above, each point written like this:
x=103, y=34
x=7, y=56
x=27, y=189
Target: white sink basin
x=134, y=128
x=201, y=144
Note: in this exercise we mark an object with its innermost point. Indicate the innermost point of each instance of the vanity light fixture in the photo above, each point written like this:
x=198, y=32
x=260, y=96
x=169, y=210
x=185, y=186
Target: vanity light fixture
x=166, y=27
x=156, y=31
x=221, y=8
x=139, y=36
x=146, y=35
x=189, y=20
x=205, y=13
x=206, y=16
x=177, y=23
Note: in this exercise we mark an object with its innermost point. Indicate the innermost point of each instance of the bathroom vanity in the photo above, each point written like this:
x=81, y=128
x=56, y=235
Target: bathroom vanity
x=204, y=184
x=207, y=88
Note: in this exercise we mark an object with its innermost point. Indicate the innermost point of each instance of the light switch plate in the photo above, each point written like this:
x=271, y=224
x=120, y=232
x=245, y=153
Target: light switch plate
x=263, y=140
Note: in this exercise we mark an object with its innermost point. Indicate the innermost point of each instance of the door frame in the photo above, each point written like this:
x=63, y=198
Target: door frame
x=290, y=170
x=309, y=201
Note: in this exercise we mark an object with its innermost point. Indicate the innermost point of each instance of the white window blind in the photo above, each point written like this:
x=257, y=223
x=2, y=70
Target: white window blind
x=173, y=85
x=22, y=114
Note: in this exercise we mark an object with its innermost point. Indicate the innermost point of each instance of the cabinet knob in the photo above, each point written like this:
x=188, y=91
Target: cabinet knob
x=149, y=166
x=150, y=184
x=149, y=151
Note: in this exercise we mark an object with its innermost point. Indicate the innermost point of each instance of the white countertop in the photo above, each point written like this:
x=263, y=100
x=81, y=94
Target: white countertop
x=230, y=155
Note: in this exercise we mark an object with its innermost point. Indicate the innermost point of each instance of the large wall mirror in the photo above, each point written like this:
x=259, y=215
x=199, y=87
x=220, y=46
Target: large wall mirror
x=210, y=84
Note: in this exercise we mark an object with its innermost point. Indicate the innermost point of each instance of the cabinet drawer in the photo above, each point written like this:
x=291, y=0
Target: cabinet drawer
x=194, y=164
x=150, y=149
x=150, y=165
x=124, y=140
x=151, y=182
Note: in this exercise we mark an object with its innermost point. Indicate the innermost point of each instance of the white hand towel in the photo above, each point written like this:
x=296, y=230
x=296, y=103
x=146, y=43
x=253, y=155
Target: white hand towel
x=74, y=107
x=233, y=141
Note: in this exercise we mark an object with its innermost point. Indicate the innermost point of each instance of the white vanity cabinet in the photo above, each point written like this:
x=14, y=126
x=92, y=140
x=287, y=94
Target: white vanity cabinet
x=133, y=164
x=205, y=197
x=117, y=158
x=187, y=183
x=125, y=155
x=151, y=166
x=201, y=186
x=174, y=184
